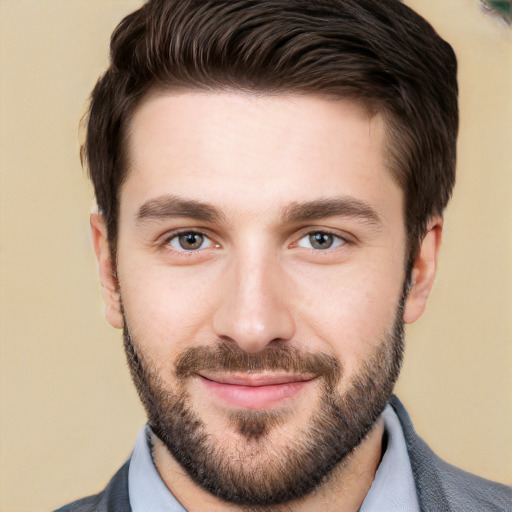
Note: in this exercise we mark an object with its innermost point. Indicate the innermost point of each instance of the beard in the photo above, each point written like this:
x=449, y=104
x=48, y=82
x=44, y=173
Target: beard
x=264, y=466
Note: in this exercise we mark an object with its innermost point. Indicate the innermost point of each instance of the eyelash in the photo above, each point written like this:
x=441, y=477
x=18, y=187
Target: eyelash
x=336, y=240
x=176, y=235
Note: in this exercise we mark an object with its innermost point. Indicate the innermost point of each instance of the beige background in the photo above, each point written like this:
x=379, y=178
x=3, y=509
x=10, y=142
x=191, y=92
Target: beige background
x=69, y=415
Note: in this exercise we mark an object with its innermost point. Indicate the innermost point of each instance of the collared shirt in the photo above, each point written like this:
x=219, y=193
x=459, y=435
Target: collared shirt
x=393, y=488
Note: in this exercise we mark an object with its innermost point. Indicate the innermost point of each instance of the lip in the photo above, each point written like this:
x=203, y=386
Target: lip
x=254, y=390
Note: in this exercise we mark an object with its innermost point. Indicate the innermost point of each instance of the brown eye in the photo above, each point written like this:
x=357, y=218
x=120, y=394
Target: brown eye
x=320, y=240
x=189, y=241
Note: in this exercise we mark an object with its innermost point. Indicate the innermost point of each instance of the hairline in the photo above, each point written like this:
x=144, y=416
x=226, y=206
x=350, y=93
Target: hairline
x=367, y=105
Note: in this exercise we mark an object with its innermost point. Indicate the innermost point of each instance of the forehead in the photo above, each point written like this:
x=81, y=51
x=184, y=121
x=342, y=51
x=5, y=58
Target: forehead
x=233, y=149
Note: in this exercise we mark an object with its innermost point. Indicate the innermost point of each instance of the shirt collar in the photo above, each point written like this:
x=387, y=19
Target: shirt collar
x=393, y=487
x=146, y=488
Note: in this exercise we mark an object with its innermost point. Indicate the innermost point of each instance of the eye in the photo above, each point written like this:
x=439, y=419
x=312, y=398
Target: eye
x=189, y=241
x=320, y=240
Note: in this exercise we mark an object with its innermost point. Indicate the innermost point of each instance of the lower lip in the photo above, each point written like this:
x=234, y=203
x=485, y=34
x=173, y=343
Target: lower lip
x=253, y=397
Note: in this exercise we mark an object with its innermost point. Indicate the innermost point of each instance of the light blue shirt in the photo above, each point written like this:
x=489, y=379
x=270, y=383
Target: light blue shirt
x=392, y=490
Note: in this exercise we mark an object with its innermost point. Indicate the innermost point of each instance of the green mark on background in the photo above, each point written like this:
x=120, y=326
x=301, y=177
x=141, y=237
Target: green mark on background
x=502, y=8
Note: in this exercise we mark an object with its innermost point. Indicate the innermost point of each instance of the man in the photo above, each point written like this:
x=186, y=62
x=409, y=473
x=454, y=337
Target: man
x=270, y=179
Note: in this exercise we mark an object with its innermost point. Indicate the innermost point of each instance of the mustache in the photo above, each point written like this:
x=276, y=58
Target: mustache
x=229, y=358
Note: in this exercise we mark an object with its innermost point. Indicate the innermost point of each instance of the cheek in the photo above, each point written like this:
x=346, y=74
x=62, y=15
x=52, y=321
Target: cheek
x=351, y=313
x=164, y=307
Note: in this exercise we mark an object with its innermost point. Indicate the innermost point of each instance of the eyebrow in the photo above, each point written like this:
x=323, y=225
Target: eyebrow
x=332, y=207
x=169, y=206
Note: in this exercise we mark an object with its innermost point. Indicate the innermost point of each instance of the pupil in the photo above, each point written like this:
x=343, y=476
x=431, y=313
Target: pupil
x=321, y=240
x=191, y=240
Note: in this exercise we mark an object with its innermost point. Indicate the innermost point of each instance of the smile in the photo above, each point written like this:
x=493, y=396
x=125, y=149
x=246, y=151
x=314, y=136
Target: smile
x=254, y=390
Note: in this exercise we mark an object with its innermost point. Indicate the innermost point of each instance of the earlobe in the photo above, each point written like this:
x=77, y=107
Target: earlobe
x=108, y=278
x=424, y=271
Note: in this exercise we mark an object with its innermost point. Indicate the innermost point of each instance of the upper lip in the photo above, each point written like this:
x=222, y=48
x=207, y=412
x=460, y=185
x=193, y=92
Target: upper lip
x=257, y=378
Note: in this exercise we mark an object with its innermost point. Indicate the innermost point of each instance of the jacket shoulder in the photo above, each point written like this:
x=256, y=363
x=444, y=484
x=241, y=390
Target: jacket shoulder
x=467, y=490
x=114, y=498
x=446, y=488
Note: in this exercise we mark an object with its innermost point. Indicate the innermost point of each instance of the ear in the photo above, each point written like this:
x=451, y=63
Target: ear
x=424, y=271
x=108, y=278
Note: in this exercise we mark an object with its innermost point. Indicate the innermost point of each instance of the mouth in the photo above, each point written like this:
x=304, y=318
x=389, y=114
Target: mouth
x=254, y=390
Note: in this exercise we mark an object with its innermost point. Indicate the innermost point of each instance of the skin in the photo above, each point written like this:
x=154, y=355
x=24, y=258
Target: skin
x=256, y=280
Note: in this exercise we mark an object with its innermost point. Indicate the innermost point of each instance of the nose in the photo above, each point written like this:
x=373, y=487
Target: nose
x=253, y=307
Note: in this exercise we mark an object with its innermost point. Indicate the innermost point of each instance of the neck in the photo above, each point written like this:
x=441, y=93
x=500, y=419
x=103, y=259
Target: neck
x=343, y=491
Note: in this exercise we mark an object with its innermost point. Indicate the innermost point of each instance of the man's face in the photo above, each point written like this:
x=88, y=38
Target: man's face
x=261, y=251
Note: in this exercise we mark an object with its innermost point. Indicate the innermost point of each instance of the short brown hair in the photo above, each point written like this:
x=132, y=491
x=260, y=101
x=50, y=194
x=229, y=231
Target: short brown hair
x=378, y=52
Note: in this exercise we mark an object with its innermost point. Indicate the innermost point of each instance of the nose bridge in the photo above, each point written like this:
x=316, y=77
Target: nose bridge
x=253, y=311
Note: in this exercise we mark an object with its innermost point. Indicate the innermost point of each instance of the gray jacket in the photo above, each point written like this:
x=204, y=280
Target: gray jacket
x=441, y=487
